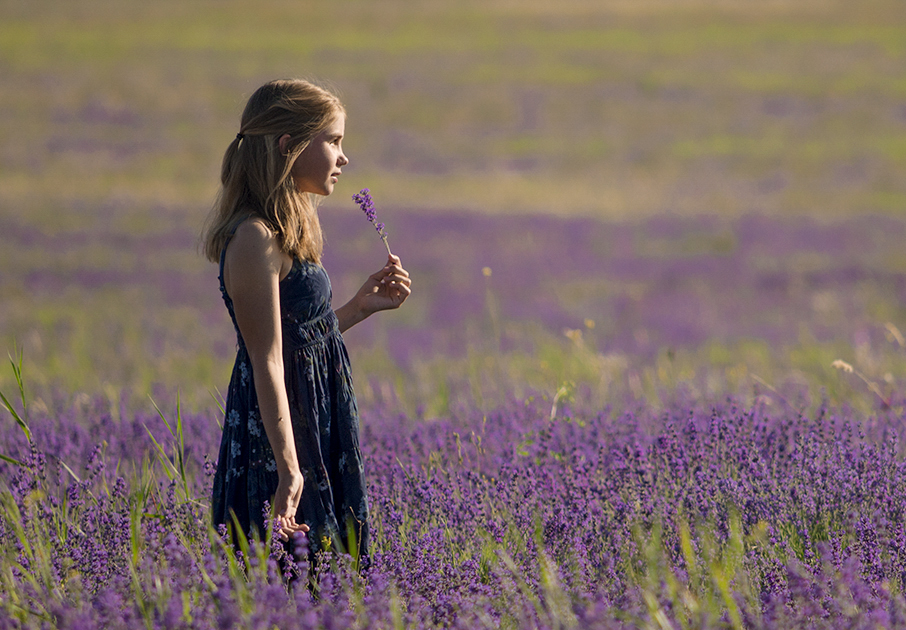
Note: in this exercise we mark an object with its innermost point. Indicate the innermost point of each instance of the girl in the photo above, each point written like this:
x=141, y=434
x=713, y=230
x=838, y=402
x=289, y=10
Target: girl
x=290, y=434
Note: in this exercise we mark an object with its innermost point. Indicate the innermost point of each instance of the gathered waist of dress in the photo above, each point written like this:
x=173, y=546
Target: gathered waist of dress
x=301, y=334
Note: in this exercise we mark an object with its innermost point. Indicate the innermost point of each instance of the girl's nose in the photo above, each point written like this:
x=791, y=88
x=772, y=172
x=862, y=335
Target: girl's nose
x=342, y=160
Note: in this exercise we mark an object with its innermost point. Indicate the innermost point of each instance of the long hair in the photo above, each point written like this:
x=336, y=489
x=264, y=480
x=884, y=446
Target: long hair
x=255, y=175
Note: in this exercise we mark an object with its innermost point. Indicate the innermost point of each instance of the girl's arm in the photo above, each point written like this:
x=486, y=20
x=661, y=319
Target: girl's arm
x=386, y=289
x=252, y=271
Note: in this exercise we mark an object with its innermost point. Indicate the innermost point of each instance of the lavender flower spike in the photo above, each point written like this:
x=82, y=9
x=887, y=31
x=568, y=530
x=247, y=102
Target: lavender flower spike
x=363, y=198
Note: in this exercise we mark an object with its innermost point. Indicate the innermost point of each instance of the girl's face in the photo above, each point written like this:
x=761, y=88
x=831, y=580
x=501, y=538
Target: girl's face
x=317, y=168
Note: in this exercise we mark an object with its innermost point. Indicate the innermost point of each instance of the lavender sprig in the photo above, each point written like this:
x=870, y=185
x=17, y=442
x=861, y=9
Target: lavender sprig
x=366, y=203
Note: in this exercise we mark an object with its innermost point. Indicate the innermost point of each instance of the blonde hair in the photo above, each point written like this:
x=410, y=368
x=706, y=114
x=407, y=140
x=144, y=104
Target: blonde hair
x=255, y=175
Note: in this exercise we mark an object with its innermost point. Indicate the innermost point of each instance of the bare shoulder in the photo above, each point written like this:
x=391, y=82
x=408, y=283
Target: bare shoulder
x=255, y=233
x=254, y=250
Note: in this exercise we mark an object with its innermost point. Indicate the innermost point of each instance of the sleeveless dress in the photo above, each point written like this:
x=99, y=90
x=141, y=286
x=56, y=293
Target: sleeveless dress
x=324, y=418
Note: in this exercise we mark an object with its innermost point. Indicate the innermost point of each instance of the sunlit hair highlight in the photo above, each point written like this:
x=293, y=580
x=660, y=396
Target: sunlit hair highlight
x=255, y=175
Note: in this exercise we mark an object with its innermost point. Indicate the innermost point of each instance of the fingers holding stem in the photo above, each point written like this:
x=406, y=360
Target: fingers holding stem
x=395, y=280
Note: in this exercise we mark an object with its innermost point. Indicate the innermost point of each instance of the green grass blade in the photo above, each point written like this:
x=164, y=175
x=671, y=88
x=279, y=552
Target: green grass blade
x=221, y=404
x=15, y=414
x=161, y=414
x=169, y=468
x=12, y=460
x=16, y=363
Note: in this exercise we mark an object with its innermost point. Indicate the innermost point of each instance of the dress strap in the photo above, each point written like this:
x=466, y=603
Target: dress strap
x=223, y=255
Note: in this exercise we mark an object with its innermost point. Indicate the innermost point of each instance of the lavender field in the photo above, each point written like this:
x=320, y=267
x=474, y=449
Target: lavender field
x=651, y=374
x=687, y=516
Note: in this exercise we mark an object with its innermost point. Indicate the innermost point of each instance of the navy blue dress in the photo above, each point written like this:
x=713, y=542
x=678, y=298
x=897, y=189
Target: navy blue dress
x=324, y=419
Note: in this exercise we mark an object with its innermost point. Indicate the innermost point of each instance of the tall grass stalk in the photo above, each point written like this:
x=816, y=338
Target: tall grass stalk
x=178, y=470
x=21, y=420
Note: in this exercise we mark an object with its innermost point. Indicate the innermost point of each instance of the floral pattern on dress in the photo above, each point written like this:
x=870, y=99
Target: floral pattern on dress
x=244, y=373
x=255, y=425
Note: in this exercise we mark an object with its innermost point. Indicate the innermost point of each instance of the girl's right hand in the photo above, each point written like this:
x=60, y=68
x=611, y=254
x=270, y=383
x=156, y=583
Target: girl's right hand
x=286, y=504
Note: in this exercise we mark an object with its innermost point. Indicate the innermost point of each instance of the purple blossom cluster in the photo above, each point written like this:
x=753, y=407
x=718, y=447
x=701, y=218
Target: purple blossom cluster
x=706, y=516
x=366, y=203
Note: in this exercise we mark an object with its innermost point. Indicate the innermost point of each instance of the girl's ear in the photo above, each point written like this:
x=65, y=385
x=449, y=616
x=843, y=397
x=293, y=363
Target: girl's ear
x=282, y=141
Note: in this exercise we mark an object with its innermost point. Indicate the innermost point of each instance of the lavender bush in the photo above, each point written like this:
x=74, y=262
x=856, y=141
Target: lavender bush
x=705, y=516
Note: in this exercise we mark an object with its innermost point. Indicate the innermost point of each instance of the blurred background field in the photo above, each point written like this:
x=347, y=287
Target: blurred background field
x=592, y=196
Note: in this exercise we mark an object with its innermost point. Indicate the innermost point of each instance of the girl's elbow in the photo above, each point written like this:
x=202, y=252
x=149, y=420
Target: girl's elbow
x=267, y=363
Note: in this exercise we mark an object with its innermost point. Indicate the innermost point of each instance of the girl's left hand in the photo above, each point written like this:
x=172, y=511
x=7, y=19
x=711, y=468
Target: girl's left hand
x=386, y=289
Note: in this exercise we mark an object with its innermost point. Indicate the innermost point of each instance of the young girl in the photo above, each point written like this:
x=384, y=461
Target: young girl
x=291, y=428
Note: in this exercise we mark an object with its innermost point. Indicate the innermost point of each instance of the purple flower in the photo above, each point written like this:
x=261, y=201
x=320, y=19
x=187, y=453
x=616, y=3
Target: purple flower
x=366, y=203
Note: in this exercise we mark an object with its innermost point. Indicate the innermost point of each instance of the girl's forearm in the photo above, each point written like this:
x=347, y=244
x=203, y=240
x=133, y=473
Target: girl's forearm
x=350, y=314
